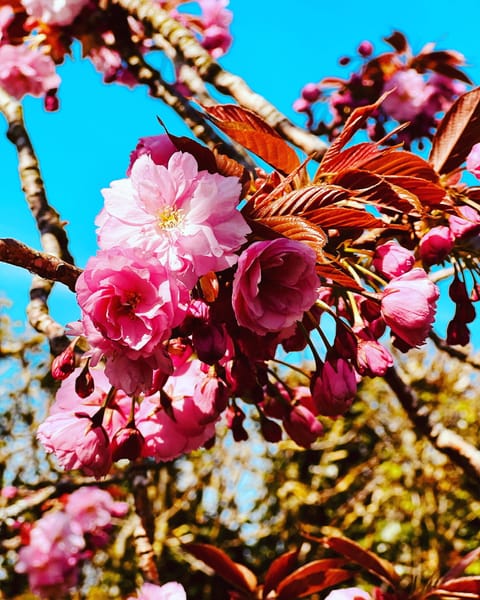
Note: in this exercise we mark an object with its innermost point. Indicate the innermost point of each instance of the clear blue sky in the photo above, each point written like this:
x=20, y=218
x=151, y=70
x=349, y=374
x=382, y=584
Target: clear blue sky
x=278, y=46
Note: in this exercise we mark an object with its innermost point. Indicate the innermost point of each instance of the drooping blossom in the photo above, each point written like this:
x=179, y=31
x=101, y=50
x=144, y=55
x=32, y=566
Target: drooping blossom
x=186, y=422
x=187, y=218
x=274, y=285
x=352, y=593
x=302, y=426
x=334, y=387
x=216, y=19
x=129, y=303
x=54, y=12
x=51, y=557
x=408, y=92
x=392, y=260
x=25, y=70
x=168, y=591
x=93, y=508
x=436, y=245
x=408, y=306
x=473, y=161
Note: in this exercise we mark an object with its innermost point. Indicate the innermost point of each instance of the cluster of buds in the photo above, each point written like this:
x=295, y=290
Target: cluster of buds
x=416, y=89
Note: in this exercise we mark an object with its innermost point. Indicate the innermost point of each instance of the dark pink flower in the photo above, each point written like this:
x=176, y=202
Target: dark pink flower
x=435, y=245
x=302, y=426
x=473, y=161
x=408, y=306
x=274, y=285
x=392, y=260
x=467, y=223
x=159, y=147
x=409, y=92
x=25, y=70
x=372, y=359
x=92, y=508
x=334, y=388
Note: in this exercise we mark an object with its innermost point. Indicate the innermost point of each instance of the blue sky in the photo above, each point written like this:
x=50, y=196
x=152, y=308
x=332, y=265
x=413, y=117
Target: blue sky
x=278, y=46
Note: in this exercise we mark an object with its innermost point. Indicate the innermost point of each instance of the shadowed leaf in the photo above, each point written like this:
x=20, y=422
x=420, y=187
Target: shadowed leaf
x=279, y=569
x=331, y=273
x=250, y=130
x=237, y=575
x=312, y=578
x=298, y=229
x=398, y=41
x=366, y=559
x=400, y=163
x=458, y=131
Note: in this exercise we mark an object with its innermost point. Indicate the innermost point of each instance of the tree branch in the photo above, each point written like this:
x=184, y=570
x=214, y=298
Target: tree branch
x=453, y=352
x=461, y=452
x=191, y=51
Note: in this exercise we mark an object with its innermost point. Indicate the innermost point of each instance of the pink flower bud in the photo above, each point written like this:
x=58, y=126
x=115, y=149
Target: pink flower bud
x=311, y=92
x=302, y=426
x=365, y=48
x=334, y=388
x=235, y=417
x=64, y=364
x=84, y=384
x=457, y=333
x=436, y=245
x=302, y=105
x=392, y=260
x=128, y=443
x=473, y=161
x=373, y=359
x=271, y=431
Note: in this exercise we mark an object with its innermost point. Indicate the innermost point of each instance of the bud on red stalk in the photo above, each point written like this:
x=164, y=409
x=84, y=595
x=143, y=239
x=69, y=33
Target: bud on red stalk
x=64, y=364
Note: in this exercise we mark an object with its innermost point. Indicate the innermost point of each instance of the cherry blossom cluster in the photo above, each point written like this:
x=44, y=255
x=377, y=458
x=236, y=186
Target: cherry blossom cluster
x=36, y=35
x=416, y=90
x=55, y=547
x=185, y=311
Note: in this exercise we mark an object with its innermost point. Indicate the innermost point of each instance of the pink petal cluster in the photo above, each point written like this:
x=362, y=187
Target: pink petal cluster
x=435, y=245
x=408, y=306
x=473, y=161
x=392, y=260
x=130, y=302
x=352, y=593
x=52, y=555
x=216, y=21
x=334, y=387
x=168, y=591
x=93, y=508
x=466, y=223
x=187, y=218
x=25, y=70
x=275, y=283
x=54, y=12
x=408, y=93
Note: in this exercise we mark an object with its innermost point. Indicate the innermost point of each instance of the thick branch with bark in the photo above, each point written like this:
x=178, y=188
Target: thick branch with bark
x=191, y=51
x=461, y=452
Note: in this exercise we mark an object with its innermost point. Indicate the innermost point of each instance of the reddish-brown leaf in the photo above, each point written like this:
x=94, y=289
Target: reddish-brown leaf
x=337, y=218
x=458, y=131
x=231, y=168
x=237, y=575
x=298, y=229
x=463, y=587
x=398, y=41
x=250, y=130
x=354, y=122
x=350, y=158
x=334, y=274
x=462, y=564
x=366, y=559
x=444, y=62
x=428, y=193
x=312, y=578
x=278, y=570
x=400, y=163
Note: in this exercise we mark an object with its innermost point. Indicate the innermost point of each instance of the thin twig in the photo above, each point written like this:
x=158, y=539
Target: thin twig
x=461, y=355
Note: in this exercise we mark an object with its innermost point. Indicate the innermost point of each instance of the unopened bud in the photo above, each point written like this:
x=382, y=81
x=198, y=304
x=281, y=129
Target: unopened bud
x=64, y=364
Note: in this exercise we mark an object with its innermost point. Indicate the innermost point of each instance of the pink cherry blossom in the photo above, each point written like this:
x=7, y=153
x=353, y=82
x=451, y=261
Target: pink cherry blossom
x=274, y=285
x=216, y=20
x=408, y=306
x=408, y=95
x=352, y=593
x=168, y=591
x=159, y=147
x=392, y=260
x=52, y=555
x=335, y=388
x=187, y=218
x=473, y=161
x=372, y=358
x=302, y=426
x=25, y=70
x=468, y=222
x=435, y=245
x=92, y=508
x=129, y=302
x=54, y=12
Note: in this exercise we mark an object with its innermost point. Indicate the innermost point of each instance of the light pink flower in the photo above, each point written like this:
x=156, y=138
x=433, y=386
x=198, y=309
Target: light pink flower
x=54, y=12
x=392, y=260
x=468, y=222
x=25, y=70
x=78, y=443
x=129, y=303
x=435, y=245
x=473, y=161
x=187, y=218
x=92, y=508
x=352, y=593
x=373, y=359
x=409, y=92
x=168, y=591
x=52, y=555
x=335, y=388
x=408, y=306
x=274, y=285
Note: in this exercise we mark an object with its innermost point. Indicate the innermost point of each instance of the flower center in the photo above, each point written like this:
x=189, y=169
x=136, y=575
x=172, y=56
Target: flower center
x=170, y=218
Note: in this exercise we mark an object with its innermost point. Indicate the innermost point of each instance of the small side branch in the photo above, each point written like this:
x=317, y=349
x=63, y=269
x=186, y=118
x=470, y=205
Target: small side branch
x=191, y=51
x=454, y=352
x=461, y=452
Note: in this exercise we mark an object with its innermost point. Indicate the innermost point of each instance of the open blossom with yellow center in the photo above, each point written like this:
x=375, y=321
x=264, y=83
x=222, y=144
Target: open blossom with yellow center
x=186, y=217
